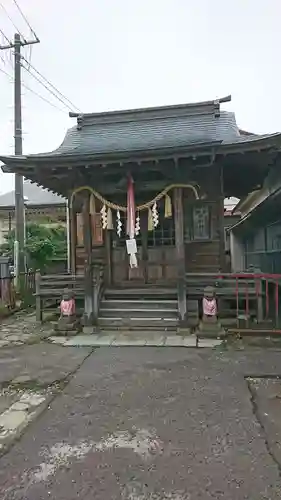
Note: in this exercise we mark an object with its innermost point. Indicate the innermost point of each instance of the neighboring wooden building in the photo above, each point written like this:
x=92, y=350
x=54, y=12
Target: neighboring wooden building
x=256, y=237
x=40, y=206
x=182, y=160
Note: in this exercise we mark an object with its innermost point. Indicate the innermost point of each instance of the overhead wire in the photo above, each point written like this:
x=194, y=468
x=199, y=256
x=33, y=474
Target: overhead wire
x=50, y=88
x=33, y=91
x=11, y=20
x=25, y=18
x=6, y=38
x=62, y=99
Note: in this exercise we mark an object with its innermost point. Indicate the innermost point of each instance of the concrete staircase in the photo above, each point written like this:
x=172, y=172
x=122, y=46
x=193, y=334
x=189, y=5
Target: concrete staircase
x=139, y=308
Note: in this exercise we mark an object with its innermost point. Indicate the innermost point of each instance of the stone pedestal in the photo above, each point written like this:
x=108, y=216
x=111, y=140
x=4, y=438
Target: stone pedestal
x=210, y=327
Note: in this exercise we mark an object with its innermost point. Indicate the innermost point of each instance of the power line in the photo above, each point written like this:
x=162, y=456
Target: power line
x=33, y=91
x=26, y=20
x=43, y=98
x=48, y=89
x=50, y=84
x=11, y=20
x=6, y=38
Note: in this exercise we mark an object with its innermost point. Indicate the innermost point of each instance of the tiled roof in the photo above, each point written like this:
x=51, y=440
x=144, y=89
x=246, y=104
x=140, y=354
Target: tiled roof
x=35, y=196
x=152, y=129
x=149, y=134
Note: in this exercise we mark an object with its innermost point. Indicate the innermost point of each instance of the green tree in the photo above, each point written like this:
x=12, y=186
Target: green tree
x=43, y=243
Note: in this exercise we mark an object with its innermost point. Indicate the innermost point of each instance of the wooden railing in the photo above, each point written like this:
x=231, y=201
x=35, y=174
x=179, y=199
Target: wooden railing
x=49, y=288
x=8, y=290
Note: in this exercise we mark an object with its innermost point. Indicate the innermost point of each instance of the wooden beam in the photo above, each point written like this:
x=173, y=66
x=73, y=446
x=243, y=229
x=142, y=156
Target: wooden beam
x=180, y=252
x=88, y=271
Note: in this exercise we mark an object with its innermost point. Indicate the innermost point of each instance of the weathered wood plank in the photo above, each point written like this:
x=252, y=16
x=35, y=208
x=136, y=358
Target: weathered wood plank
x=180, y=252
x=87, y=236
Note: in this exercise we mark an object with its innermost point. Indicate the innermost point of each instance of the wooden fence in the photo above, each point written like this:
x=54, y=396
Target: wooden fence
x=8, y=290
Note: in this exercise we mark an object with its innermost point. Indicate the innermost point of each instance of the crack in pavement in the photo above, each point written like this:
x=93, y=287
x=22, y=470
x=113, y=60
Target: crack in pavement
x=258, y=418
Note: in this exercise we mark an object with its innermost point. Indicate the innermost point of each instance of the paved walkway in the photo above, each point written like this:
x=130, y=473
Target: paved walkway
x=22, y=328
x=149, y=424
x=119, y=339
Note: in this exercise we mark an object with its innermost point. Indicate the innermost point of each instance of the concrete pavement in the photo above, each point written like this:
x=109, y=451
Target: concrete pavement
x=153, y=424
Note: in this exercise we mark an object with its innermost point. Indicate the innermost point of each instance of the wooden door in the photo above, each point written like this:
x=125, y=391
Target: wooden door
x=162, y=265
x=121, y=270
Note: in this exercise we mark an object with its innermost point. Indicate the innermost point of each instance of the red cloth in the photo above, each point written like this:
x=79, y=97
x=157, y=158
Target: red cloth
x=209, y=307
x=67, y=307
x=131, y=208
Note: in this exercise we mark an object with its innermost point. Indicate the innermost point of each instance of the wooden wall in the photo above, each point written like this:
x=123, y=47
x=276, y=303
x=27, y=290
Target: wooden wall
x=204, y=245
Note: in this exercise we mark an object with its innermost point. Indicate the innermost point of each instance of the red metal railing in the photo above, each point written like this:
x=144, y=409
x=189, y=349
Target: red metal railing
x=246, y=301
x=266, y=296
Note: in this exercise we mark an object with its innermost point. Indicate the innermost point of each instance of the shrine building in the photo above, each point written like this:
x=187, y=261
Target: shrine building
x=146, y=190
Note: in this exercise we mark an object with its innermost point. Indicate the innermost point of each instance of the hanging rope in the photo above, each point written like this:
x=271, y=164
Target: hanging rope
x=145, y=206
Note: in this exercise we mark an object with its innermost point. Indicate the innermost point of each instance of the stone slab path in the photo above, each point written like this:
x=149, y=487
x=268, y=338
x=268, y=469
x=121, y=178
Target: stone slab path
x=22, y=328
x=146, y=339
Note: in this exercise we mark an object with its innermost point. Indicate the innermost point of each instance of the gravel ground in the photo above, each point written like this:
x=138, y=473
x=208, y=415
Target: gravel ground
x=153, y=424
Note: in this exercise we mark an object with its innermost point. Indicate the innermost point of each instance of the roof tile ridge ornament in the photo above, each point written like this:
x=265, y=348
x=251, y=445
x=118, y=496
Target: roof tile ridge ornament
x=79, y=121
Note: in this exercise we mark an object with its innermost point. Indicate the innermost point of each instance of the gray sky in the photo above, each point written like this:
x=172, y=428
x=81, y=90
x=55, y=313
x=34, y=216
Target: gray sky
x=116, y=54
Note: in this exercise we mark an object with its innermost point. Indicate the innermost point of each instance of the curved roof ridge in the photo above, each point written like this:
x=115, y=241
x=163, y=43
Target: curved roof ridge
x=143, y=114
x=151, y=108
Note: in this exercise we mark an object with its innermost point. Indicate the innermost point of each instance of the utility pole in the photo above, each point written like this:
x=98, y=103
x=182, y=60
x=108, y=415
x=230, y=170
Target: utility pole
x=19, y=198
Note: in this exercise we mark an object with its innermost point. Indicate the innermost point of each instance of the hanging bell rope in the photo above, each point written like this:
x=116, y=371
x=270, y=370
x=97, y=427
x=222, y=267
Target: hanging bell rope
x=145, y=206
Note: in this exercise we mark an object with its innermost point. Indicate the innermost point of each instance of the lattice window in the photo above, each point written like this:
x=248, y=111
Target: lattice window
x=163, y=234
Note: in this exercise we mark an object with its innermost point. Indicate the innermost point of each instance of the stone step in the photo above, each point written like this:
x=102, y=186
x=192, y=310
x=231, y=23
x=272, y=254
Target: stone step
x=147, y=293
x=138, y=304
x=138, y=312
x=137, y=323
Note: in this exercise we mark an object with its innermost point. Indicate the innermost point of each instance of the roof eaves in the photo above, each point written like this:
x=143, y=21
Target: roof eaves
x=191, y=149
x=257, y=208
x=34, y=206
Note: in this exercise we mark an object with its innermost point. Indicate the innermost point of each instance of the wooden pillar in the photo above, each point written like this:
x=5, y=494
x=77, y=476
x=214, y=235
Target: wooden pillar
x=180, y=252
x=73, y=238
x=221, y=232
x=88, y=270
x=144, y=241
x=108, y=256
